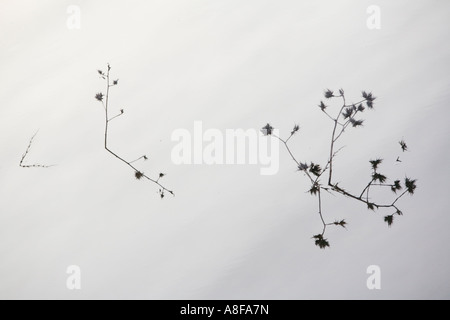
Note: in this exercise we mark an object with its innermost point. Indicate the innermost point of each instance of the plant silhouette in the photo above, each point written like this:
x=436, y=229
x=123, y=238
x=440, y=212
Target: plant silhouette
x=346, y=117
x=21, y=163
x=104, y=99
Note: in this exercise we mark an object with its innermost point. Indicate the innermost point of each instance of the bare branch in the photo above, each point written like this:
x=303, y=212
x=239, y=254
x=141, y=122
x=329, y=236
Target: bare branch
x=105, y=101
x=349, y=113
x=21, y=163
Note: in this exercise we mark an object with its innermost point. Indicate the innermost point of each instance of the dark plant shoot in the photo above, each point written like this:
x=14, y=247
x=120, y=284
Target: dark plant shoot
x=105, y=100
x=24, y=156
x=321, y=177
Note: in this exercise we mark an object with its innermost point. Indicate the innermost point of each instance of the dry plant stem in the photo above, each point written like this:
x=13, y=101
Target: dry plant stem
x=350, y=113
x=107, y=121
x=26, y=154
x=285, y=143
x=334, y=139
x=314, y=182
x=320, y=213
x=143, y=157
x=345, y=193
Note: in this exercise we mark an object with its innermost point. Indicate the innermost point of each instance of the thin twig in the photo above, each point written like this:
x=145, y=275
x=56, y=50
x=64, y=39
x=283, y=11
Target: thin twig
x=26, y=154
x=333, y=140
x=143, y=157
x=331, y=187
x=320, y=213
x=285, y=143
x=138, y=173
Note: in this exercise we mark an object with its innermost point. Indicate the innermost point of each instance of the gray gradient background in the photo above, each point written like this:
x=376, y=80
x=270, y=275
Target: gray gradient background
x=229, y=233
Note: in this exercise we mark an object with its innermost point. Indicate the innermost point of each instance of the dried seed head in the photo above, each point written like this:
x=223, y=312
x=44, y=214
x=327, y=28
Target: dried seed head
x=138, y=175
x=267, y=130
x=389, y=220
x=321, y=242
x=99, y=96
x=328, y=94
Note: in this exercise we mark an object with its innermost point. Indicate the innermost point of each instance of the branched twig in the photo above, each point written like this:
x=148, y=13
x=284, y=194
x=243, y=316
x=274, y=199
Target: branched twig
x=21, y=164
x=105, y=102
x=143, y=157
x=314, y=171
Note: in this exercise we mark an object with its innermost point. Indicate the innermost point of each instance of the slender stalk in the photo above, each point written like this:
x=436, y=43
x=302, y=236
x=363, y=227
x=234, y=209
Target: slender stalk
x=320, y=213
x=331, y=187
x=21, y=163
x=333, y=141
x=285, y=143
x=128, y=163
